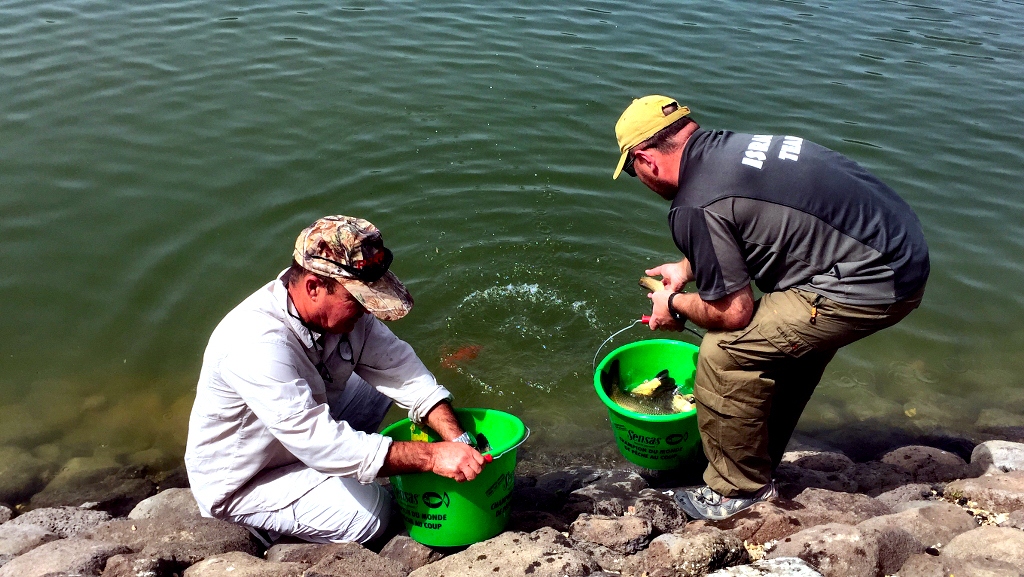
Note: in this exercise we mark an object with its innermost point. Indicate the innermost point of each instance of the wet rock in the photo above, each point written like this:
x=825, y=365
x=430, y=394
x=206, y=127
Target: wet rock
x=70, y=556
x=791, y=479
x=927, y=464
x=925, y=565
x=661, y=510
x=183, y=540
x=1000, y=493
x=933, y=524
x=875, y=477
x=177, y=502
x=98, y=481
x=409, y=553
x=781, y=567
x=838, y=550
x=695, y=552
x=566, y=481
x=237, y=564
x=911, y=492
x=63, y=521
x=821, y=506
x=762, y=522
x=998, y=418
x=992, y=543
x=21, y=474
x=18, y=539
x=992, y=457
x=543, y=553
x=624, y=535
x=823, y=461
x=354, y=560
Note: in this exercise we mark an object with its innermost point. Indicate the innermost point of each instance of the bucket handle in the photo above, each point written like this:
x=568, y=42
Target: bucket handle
x=513, y=447
x=642, y=320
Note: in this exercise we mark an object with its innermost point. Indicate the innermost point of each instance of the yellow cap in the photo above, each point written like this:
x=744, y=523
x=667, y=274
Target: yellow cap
x=644, y=118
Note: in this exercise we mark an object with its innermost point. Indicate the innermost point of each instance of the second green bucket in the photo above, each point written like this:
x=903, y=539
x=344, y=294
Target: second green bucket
x=657, y=442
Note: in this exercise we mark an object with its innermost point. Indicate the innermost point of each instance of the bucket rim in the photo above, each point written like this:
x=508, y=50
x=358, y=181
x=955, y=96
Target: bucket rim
x=499, y=448
x=615, y=407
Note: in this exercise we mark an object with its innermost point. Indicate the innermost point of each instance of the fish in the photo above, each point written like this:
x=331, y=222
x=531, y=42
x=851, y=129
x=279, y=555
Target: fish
x=451, y=360
x=683, y=403
x=661, y=403
x=659, y=384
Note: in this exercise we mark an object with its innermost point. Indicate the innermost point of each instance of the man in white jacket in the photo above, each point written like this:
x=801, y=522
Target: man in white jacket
x=294, y=384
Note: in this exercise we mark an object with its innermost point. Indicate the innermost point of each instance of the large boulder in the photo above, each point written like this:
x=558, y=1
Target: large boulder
x=905, y=493
x=354, y=560
x=73, y=556
x=925, y=565
x=838, y=550
x=993, y=457
x=178, y=540
x=624, y=535
x=175, y=502
x=992, y=543
x=781, y=567
x=409, y=553
x=875, y=477
x=761, y=522
x=927, y=464
x=99, y=482
x=661, y=510
x=63, y=521
x=697, y=551
x=18, y=539
x=237, y=564
x=1000, y=493
x=543, y=553
x=821, y=506
x=933, y=524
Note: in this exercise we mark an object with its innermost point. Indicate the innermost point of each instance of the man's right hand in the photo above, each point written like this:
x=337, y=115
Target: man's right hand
x=456, y=461
x=674, y=275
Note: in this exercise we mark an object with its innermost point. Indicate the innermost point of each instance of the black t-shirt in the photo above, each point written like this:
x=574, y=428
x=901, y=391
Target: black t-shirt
x=788, y=213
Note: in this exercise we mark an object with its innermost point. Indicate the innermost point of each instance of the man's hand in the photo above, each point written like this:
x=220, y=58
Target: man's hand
x=456, y=461
x=674, y=275
x=660, y=317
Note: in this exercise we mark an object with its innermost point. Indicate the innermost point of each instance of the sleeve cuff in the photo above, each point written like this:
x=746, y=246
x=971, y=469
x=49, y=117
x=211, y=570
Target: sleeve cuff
x=419, y=412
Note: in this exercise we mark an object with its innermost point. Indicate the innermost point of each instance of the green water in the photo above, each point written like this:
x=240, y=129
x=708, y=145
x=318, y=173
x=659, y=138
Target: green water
x=157, y=161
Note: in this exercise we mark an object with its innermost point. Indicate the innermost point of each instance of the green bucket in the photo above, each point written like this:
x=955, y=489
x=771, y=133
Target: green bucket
x=440, y=512
x=658, y=442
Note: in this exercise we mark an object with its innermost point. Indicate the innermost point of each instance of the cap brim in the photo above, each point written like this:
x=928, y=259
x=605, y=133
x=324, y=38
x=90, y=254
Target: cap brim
x=387, y=298
x=618, y=167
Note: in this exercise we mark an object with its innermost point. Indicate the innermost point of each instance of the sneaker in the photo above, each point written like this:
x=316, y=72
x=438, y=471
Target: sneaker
x=706, y=503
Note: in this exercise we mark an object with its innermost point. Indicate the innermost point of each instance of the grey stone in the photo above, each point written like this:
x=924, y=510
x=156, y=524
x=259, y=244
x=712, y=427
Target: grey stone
x=905, y=493
x=607, y=559
x=543, y=553
x=21, y=474
x=823, y=461
x=822, y=506
x=409, y=553
x=1015, y=520
x=924, y=565
x=661, y=510
x=694, y=552
x=354, y=560
x=97, y=480
x=999, y=493
x=176, y=502
x=18, y=539
x=65, y=556
x=762, y=522
x=64, y=521
x=933, y=524
x=5, y=514
x=237, y=564
x=993, y=457
x=137, y=565
x=781, y=567
x=309, y=553
x=792, y=479
x=927, y=464
x=875, y=477
x=838, y=550
x=624, y=535
x=995, y=543
x=183, y=540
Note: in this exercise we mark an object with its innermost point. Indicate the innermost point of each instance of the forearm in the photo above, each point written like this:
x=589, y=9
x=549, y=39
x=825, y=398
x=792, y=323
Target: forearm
x=408, y=457
x=442, y=420
x=729, y=313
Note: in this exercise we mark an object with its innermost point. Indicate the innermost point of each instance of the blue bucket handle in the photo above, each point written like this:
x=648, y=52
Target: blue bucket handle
x=513, y=447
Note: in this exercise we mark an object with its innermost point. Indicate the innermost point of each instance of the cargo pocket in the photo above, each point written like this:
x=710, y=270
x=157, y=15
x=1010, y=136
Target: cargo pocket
x=787, y=341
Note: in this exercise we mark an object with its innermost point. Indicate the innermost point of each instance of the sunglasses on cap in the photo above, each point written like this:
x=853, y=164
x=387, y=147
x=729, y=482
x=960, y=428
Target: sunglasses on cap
x=367, y=271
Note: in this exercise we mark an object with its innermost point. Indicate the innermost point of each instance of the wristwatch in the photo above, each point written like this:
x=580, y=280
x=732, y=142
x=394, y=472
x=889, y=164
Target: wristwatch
x=676, y=315
x=465, y=438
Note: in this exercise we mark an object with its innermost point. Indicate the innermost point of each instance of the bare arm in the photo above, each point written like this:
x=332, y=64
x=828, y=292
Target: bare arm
x=730, y=312
x=457, y=461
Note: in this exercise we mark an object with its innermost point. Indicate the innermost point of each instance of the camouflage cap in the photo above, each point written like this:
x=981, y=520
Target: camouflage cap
x=351, y=251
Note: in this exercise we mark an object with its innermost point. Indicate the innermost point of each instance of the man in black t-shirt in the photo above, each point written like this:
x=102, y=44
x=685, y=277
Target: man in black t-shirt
x=837, y=254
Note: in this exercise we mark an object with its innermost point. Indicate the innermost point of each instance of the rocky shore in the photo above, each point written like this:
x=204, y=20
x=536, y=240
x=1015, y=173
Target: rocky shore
x=917, y=511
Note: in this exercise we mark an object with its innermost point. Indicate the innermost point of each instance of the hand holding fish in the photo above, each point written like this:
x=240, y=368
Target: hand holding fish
x=660, y=317
x=674, y=275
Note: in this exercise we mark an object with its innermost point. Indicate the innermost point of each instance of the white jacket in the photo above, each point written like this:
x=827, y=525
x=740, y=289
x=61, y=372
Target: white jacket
x=263, y=409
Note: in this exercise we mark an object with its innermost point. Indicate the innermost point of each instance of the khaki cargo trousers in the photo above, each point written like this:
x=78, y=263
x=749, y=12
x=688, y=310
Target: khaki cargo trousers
x=752, y=384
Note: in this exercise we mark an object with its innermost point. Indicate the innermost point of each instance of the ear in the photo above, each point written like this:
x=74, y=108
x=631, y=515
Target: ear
x=311, y=286
x=648, y=158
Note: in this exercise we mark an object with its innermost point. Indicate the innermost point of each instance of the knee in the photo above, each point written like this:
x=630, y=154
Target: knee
x=712, y=358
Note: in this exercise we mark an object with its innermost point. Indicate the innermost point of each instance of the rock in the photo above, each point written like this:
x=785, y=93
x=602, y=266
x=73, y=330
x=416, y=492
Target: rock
x=994, y=543
x=927, y=464
x=661, y=510
x=875, y=477
x=101, y=481
x=695, y=552
x=822, y=506
x=998, y=418
x=354, y=560
x=781, y=567
x=823, y=461
x=923, y=565
x=63, y=521
x=607, y=559
x=623, y=535
x=610, y=492
x=21, y=474
x=177, y=502
x=543, y=553
x=137, y=565
x=1014, y=519
x=308, y=553
x=18, y=539
x=911, y=492
x=993, y=457
x=409, y=553
x=74, y=555
x=5, y=514
x=791, y=479
x=838, y=550
x=762, y=522
x=530, y=521
x=998, y=493
x=933, y=524
x=184, y=540
x=237, y=564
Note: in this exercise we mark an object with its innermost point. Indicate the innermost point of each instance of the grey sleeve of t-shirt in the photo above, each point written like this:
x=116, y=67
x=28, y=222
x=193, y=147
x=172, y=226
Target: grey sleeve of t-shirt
x=707, y=239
